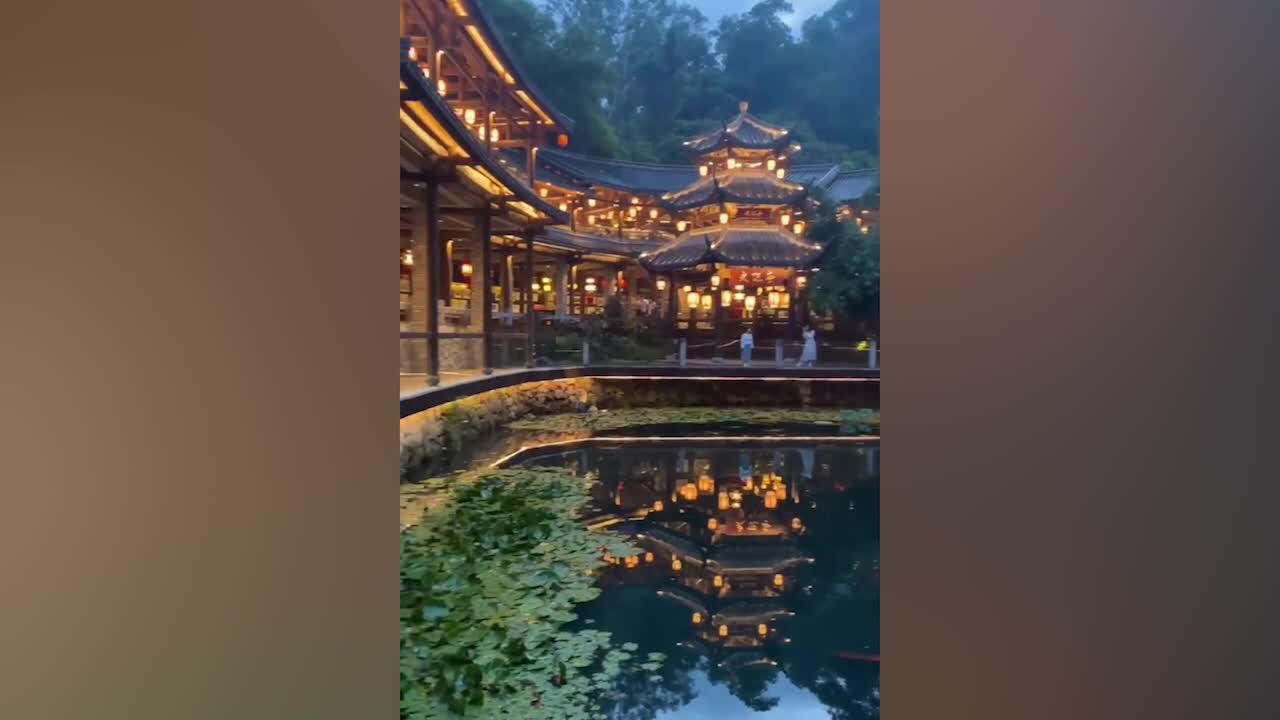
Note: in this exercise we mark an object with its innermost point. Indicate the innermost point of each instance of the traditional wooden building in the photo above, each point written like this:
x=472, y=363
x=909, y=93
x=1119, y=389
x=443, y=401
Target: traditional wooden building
x=502, y=230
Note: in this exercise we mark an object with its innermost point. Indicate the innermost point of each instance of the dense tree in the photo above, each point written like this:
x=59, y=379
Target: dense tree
x=638, y=76
x=848, y=283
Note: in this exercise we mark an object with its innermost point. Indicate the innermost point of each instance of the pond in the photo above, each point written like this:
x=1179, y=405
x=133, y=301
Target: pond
x=758, y=575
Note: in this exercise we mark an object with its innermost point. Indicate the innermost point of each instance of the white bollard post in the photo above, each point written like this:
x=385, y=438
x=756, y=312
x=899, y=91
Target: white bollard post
x=586, y=353
x=684, y=351
x=777, y=353
x=873, y=357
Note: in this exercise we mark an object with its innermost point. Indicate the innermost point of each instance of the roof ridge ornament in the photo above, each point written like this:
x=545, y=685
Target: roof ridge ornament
x=742, y=106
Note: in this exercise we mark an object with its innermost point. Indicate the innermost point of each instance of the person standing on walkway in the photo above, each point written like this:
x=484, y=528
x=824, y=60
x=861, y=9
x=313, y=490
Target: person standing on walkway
x=809, y=355
x=748, y=343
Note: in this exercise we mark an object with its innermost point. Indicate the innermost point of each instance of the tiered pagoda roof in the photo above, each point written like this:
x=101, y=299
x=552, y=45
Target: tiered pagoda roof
x=750, y=187
x=739, y=245
x=744, y=131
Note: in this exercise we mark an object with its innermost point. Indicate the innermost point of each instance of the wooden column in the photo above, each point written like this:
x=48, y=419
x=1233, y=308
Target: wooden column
x=486, y=290
x=792, y=311
x=717, y=319
x=435, y=278
x=527, y=292
x=673, y=306
x=508, y=280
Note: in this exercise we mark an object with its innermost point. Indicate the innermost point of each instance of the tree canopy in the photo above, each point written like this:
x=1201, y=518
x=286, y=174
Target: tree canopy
x=639, y=76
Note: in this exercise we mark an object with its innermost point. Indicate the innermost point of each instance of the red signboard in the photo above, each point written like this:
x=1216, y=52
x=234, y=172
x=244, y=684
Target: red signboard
x=754, y=213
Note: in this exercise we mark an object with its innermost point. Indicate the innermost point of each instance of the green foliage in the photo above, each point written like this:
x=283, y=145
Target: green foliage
x=852, y=421
x=849, y=281
x=488, y=583
x=639, y=76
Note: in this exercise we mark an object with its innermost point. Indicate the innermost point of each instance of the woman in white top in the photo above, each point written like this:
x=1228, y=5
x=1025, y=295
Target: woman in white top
x=748, y=343
x=809, y=355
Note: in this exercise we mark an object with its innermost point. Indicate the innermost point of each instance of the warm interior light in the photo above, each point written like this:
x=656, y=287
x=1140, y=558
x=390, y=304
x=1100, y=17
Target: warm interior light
x=732, y=163
x=702, y=170
x=697, y=618
x=722, y=501
x=786, y=219
x=688, y=288
x=715, y=281
x=676, y=564
x=739, y=296
x=771, y=164
x=712, y=524
x=801, y=281
x=724, y=218
x=591, y=219
x=718, y=581
x=661, y=284
x=467, y=269
x=648, y=557
x=542, y=192
x=631, y=212
x=407, y=259
x=726, y=297
x=494, y=136
x=469, y=116
x=681, y=225
x=866, y=229
x=762, y=629
x=799, y=227
x=564, y=207
x=635, y=200
x=706, y=301
x=657, y=506
x=591, y=202
x=692, y=299
x=781, y=173
x=653, y=213
x=442, y=87
x=632, y=561
x=778, y=580
x=724, y=631
x=750, y=302
x=796, y=524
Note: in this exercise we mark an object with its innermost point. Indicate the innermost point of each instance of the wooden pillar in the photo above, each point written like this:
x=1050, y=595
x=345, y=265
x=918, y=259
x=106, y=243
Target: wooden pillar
x=673, y=306
x=508, y=281
x=486, y=290
x=435, y=278
x=529, y=316
x=792, y=311
x=717, y=319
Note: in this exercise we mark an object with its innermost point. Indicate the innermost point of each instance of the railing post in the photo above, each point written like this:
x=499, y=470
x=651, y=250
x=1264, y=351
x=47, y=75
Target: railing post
x=777, y=353
x=873, y=356
x=586, y=352
x=684, y=351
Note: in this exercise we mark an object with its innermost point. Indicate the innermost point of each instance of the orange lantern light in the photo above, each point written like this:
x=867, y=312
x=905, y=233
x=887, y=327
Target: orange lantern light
x=718, y=581
x=706, y=485
x=796, y=524
x=648, y=557
x=771, y=499
x=562, y=140
x=778, y=581
x=762, y=629
x=697, y=618
x=676, y=564
x=657, y=506
x=724, y=631
x=712, y=524
x=722, y=501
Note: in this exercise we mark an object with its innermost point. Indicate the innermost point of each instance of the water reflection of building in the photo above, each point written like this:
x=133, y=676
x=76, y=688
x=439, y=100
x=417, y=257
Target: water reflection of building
x=719, y=533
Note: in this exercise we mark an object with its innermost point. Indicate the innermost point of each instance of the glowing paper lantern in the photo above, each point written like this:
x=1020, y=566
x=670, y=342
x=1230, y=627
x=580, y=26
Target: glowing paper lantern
x=724, y=631
x=778, y=580
x=469, y=116
x=648, y=557
x=676, y=564
x=718, y=581
x=796, y=524
x=712, y=524
x=722, y=501
x=697, y=618
x=762, y=629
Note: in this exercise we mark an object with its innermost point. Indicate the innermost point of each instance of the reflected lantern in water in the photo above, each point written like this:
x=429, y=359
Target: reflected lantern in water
x=724, y=631
x=712, y=524
x=676, y=564
x=706, y=485
x=723, y=501
x=778, y=580
x=718, y=581
x=697, y=618
x=632, y=561
x=762, y=629
x=771, y=499
x=657, y=506
x=796, y=524
x=689, y=492
x=648, y=557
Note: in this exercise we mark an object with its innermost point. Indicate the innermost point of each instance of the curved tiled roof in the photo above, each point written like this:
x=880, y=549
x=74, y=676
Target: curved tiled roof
x=747, y=187
x=485, y=25
x=851, y=186
x=744, y=131
x=630, y=245
x=576, y=171
x=645, y=178
x=743, y=246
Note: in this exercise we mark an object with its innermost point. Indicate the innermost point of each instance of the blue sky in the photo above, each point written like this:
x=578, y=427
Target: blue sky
x=714, y=9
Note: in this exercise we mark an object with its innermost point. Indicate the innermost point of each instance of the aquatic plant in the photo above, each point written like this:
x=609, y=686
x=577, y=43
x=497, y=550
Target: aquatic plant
x=850, y=421
x=488, y=582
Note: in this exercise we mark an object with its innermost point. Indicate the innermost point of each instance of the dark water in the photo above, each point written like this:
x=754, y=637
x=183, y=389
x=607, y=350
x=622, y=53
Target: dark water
x=775, y=548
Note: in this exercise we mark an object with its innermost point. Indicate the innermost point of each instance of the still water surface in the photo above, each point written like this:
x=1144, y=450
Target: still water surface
x=759, y=576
